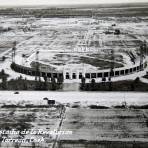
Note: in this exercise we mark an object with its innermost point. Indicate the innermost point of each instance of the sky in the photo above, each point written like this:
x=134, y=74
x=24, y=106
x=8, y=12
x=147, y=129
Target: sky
x=62, y=2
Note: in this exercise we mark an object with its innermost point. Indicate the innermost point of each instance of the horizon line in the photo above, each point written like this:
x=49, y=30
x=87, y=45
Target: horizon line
x=66, y=5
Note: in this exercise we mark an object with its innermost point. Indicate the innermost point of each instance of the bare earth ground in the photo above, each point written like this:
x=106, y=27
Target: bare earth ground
x=103, y=128
x=93, y=128
x=46, y=119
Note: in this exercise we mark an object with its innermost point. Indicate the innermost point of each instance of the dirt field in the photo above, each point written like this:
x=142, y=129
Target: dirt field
x=29, y=118
x=100, y=122
x=105, y=128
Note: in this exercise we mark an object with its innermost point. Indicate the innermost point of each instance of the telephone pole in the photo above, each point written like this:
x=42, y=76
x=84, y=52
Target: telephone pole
x=13, y=52
x=112, y=63
x=37, y=71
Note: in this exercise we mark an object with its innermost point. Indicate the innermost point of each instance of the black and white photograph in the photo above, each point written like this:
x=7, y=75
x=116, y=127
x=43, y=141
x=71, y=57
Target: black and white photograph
x=73, y=74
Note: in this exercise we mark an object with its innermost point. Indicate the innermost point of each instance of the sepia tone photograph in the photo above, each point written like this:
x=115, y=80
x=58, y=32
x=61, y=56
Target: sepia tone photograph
x=73, y=74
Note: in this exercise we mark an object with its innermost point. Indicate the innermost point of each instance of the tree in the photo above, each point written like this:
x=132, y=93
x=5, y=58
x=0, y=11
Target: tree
x=134, y=83
x=83, y=83
x=137, y=80
x=53, y=84
x=20, y=77
x=2, y=72
x=25, y=87
x=38, y=85
x=93, y=84
x=103, y=80
x=45, y=87
x=4, y=82
x=110, y=83
x=4, y=79
x=60, y=79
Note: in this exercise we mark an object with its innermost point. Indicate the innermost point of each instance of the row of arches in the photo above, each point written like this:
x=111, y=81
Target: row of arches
x=33, y=72
x=72, y=75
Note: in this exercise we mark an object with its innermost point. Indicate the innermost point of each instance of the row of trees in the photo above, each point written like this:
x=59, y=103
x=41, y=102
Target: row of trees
x=133, y=85
x=52, y=84
x=93, y=86
x=24, y=84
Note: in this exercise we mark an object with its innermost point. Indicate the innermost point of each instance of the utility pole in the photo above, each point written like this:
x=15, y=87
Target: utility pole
x=141, y=55
x=13, y=52
x=23, y=59
x=37, y=72
x=112, y=63
x=111, y=69
x=145, y=48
